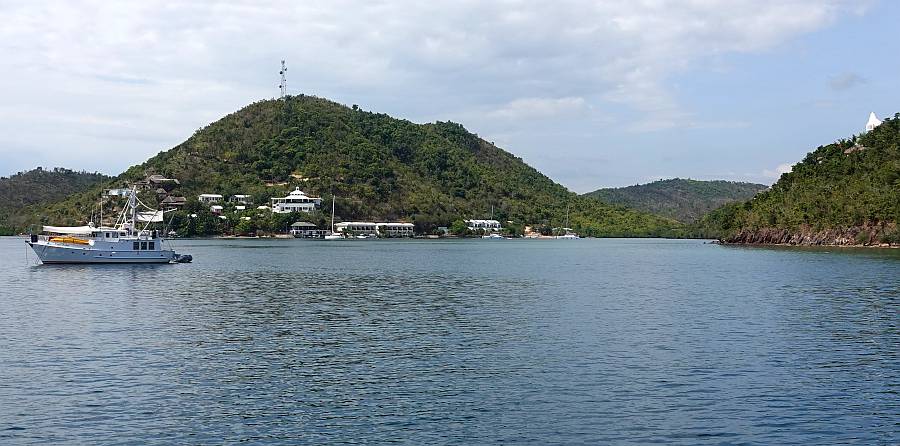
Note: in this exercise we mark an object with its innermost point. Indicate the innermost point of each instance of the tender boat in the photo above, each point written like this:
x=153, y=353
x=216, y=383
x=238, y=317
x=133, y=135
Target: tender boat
x=122, y=243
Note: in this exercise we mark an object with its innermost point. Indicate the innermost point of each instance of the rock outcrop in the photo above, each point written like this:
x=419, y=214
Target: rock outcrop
x=866, y=235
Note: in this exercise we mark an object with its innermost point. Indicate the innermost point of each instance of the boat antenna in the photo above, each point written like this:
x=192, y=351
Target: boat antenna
x=283, y=85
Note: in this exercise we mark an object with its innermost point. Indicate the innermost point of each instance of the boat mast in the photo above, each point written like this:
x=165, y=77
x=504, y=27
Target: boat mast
x=332, y=214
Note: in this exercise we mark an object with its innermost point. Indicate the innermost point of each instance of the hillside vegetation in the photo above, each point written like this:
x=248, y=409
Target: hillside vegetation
x=39, y=186
x=844, y=193
x=378, y=167
x=684, y=200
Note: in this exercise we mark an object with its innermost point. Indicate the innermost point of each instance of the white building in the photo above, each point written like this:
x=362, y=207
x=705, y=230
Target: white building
x=356, y=227
x=305, y=229
x=486, y=225
x=296, y=201
x=395, y=229
x=872, y=122
x=215, y=209
x=209, y=198
x=242, y=198
x=385, y=229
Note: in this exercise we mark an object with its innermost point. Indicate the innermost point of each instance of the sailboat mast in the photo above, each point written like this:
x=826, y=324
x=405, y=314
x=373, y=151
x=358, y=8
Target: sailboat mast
x=332, y=214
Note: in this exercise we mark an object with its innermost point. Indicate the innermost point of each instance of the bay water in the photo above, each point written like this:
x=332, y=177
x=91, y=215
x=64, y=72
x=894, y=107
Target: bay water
x=609, y=341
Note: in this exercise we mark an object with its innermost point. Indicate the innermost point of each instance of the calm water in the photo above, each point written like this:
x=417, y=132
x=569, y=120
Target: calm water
x=454, y=342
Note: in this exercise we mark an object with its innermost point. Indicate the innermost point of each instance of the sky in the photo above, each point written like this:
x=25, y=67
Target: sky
x=592, y=94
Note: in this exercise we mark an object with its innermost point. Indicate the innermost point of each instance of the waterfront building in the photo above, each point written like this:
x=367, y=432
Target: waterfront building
x=484, y=225
x=305, y=229
x=296, y=201
x=395, y=229
x=209, y=198
x=356, y=227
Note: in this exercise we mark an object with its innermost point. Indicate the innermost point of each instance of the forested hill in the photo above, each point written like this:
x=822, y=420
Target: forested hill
x=845, y=193
x=378, y=167
x=41, y=186
x=684, y=200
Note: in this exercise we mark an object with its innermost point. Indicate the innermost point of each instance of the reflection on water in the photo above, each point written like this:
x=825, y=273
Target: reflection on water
x=454, y=342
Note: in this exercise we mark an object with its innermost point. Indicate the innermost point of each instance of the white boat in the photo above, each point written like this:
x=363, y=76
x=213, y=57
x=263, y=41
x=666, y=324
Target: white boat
x=333, y=235
x=122, y=243
x=492, y=235
x=569, y=234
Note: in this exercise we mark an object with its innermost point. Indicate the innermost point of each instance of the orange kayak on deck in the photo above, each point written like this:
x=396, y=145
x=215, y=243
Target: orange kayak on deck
x=72, y=240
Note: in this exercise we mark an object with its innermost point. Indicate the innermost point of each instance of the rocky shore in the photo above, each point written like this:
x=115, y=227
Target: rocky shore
x=880, y=235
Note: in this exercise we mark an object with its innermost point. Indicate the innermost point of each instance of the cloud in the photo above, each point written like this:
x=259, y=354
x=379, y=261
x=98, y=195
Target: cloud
x=779, y=170
x=170, y=68
x=526, y=108
x=845, y=81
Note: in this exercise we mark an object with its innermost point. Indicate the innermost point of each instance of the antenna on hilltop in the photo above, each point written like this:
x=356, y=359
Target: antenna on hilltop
x=283, y=85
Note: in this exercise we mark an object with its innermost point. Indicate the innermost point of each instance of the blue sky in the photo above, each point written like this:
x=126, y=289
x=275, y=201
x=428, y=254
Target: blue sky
x=593, y=94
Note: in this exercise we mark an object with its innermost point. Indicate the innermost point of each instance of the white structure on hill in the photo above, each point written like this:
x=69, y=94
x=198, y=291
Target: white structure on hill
x=209, y=198
x=296, y=201
x=873, y=122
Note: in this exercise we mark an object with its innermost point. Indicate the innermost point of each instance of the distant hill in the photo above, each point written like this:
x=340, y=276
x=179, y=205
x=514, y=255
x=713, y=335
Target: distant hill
x=684, y=200
x=40, y=186
x=378, y=168
x=845, y=193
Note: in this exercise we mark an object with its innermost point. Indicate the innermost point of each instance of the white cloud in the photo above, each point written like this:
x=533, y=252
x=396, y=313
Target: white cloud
x=166, y=69
x=779, y=170
x=539, y=108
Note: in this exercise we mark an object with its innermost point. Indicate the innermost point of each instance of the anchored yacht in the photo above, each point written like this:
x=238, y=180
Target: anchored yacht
x=123, y=242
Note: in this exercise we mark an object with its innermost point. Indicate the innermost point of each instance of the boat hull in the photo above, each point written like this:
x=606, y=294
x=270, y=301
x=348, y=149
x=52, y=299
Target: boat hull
x=56, y=254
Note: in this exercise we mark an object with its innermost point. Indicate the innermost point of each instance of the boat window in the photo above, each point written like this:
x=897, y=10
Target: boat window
x=136, y=246
x=152, y=246
x=107, y=235
x=143, y=245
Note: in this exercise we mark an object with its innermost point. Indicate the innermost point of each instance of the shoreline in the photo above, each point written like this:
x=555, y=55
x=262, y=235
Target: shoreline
x=801, y=245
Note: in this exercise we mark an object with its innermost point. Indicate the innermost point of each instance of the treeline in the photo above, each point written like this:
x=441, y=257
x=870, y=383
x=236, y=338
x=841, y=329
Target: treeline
x=39, y=186
x=378, y=167
x=684, y=200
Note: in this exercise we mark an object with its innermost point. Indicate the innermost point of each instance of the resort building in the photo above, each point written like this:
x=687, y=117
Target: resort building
x=305, y=229
x=356, y=228
x=215, y=209
x=241, y=198
x=296, y=201
x=872, y=122
x=209, y=198
x=395, y=229
x=386, y=229
x=484, y=225
x=171, y=202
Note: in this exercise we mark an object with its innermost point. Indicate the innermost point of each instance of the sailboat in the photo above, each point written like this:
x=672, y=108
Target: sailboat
x=569, y=235
x=124, y=242
x=493, y=235
x=333, y=235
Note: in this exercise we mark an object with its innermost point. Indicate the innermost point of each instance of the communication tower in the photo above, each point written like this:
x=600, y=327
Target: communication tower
x=283, y=85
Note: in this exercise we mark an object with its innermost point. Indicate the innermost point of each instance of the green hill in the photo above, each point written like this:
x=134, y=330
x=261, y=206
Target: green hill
x=684, y=200
x=845, y=193
x=39, y=186
x=380, y=168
